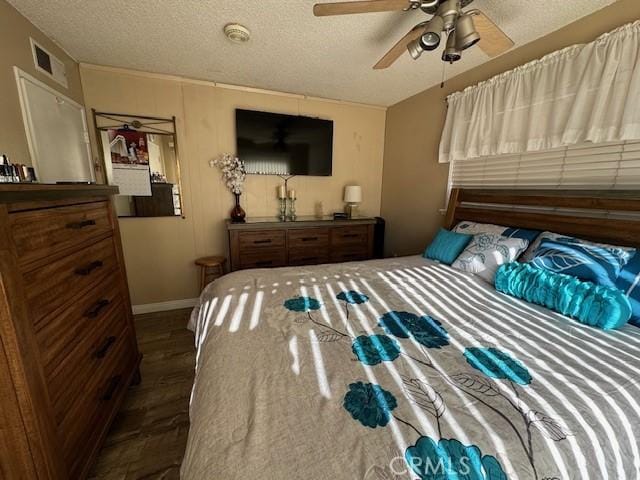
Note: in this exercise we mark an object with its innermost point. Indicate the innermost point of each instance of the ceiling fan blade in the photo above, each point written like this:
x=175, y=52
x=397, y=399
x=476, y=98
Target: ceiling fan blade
x=366, y=6
x=399, y=48
x=494, y=41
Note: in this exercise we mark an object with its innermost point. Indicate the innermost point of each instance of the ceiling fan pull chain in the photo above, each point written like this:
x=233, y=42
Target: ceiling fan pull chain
x=444, y=66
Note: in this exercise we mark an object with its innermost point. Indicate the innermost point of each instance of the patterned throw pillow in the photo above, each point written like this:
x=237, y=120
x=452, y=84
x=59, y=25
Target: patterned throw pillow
x=486, y=252
x=474, y=228
x=591, y=263
x=531, y=251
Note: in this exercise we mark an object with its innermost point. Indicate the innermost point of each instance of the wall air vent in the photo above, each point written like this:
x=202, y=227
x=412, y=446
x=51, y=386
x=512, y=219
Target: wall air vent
x=49, y=65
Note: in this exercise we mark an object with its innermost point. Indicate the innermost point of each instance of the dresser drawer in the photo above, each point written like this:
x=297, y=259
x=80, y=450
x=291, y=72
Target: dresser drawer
x=351, y=253
x=352, y=235
x=308, y=237
x=86, y=421
x=40, y=233
x=60, y=332
x=308, y=256
x=68, y=380
x=56, y=284
x=249, y=241
x=264, y=258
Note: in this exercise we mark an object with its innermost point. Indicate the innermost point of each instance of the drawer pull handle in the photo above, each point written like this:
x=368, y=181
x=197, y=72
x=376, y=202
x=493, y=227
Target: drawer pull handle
x=309, y=239
x=106, y=346
x=112, y=388
x=86, y=270
x=81, y=225
x=265, y=263
x=94, y=311
x=350, y=235
x=259, y=242
x=309, y=259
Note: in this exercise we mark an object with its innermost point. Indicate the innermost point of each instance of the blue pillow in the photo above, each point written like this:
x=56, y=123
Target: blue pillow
x=591, y=263
x=629, y=283
x=523, y=233
x=447, y=245
x=594, y=305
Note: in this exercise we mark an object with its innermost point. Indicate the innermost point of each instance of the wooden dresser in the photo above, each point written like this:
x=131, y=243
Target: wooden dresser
x=68, y=348
x=266, y=243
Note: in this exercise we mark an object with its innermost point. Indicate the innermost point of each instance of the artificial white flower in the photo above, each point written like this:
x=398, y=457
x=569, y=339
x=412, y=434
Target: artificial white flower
x=233, y=172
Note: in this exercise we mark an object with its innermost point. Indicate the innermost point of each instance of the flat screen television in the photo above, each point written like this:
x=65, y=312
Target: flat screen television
x=277, y=144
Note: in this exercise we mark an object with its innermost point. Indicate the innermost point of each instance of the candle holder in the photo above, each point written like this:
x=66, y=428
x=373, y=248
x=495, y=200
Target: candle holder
x=292, y=208
x=284, y=197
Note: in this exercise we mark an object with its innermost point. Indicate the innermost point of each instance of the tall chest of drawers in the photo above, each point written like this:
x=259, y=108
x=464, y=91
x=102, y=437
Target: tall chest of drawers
x=68, y=348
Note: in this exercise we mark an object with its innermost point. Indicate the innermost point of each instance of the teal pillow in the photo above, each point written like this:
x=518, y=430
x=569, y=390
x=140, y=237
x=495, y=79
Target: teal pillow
x=595, y=305
x=447, y=245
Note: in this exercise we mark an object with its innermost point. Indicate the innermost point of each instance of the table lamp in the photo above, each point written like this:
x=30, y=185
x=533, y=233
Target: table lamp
x=352, y=197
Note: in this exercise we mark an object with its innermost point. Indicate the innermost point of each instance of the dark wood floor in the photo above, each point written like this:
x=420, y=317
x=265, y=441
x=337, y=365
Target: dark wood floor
x=149, y=435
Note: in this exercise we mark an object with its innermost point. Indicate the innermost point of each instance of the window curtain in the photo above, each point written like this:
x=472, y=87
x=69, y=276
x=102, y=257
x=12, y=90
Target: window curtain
x=584, y=93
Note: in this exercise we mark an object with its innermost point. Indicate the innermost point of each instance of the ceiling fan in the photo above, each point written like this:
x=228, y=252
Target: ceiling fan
x=462, y=30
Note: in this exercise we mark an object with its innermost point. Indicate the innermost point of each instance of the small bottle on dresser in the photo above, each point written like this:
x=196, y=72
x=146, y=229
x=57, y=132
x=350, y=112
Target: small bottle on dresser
x=4, y=170
x=15, y=167
x=15, y=172
x=10, y=173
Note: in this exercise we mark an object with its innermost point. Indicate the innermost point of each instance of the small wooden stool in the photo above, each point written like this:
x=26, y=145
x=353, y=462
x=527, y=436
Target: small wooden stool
x=210, y=269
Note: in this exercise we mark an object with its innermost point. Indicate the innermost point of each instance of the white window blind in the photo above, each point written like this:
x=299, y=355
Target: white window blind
x=604, y=166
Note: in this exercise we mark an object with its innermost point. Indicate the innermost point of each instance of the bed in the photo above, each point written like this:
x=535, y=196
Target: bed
x=305, y=373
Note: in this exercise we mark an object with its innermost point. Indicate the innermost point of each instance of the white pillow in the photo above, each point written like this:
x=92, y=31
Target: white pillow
x=473, y=228
x=486, y=252
x=530, y=253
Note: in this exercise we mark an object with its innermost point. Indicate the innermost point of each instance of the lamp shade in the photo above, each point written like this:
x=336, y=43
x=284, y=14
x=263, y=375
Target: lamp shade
x=353, y=194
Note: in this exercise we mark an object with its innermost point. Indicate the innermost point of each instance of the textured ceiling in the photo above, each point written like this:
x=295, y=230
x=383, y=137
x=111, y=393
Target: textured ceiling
x=290, y=50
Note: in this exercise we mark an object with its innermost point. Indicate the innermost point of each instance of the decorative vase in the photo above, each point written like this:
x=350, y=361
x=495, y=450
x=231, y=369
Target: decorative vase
x=238, y=214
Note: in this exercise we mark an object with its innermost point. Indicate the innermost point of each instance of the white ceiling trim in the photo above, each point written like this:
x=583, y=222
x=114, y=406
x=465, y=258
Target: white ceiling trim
x=208, y=83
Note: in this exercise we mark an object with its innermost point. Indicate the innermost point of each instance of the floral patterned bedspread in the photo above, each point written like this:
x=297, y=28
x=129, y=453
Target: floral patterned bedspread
x=404, y=369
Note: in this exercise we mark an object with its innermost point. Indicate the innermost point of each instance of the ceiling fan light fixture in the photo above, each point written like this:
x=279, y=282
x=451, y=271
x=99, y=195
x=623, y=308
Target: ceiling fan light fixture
x=430, y=39
x=466, y=35
x=451, y=54
x=449, y=11
x=415, y=49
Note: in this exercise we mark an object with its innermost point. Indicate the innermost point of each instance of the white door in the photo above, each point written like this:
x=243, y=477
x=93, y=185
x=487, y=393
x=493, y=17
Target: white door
x=56, y=129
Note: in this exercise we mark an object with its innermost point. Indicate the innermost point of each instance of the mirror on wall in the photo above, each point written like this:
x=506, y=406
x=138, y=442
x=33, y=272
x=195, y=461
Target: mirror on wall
x=140, y=156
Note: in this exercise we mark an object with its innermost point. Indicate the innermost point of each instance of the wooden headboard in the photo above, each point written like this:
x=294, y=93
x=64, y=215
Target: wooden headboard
x=579, y=213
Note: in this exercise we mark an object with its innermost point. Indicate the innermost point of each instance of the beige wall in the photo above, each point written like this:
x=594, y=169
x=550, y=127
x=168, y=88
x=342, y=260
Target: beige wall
x=15, y=50
x=159, y=252
x=414, y=184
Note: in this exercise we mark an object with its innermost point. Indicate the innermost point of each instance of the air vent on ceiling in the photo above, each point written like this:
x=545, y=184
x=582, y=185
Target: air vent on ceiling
x=49, y=65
